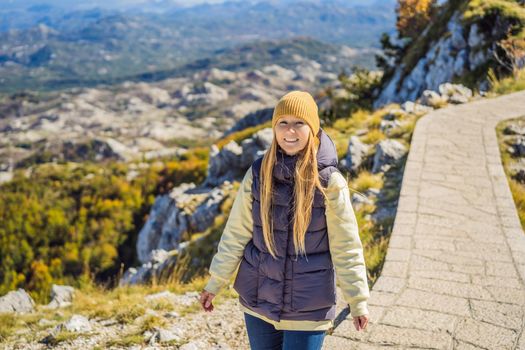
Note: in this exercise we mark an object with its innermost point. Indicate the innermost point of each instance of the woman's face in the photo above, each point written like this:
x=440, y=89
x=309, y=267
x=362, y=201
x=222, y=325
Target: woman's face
x=292, y=134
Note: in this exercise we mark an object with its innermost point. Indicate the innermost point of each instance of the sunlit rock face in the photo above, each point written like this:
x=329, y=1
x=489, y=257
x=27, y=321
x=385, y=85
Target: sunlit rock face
x=450, y=57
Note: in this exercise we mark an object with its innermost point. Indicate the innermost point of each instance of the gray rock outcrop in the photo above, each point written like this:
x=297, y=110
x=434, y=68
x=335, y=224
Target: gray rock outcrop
x=162, y=335
x=258, y=117
x=255, y=146
x=96, y=149
x=188, y=208
x=232, y=161
x=206, y=93
x=77, y=323
x=223, y=164
x=18, y=301
x=355, y=154
x=159, y=260
x=185, y=209
x=388, y=153
x=186, y=299
x=448, y=93
x=450, y=57
x=414, y=107
x=518, y=147
x=455, y=93
x=514, y=129
x=432, y=99
x=61, y=296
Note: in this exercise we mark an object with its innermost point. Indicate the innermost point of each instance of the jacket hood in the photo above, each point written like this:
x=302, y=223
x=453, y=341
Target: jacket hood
x=327, y=153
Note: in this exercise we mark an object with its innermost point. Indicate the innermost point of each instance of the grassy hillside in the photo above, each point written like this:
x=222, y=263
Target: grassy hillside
x=62, y=222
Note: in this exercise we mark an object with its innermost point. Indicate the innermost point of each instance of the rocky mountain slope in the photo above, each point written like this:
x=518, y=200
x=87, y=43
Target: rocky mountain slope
x=461, y=44
x=139, y=120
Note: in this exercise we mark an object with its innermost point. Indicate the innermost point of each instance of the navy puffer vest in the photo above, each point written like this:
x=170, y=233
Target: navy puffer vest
x=290, y=287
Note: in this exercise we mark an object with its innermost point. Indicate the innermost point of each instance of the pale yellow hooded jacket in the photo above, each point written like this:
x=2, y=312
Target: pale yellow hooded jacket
x=345, y=248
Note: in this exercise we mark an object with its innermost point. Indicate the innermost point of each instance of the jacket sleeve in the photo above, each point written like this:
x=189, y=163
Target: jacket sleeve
x=237, y=233
x=345, y=246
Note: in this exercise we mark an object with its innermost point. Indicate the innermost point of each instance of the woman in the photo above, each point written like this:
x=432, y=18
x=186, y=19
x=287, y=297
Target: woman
x=291, y=229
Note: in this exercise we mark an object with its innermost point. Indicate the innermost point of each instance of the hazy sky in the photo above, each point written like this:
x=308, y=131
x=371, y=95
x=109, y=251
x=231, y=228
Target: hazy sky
x=133, y=3
x=104, y=3
x=146, y=5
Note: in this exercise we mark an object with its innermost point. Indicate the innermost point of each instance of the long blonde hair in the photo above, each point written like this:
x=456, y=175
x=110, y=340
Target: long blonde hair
x=306, y=177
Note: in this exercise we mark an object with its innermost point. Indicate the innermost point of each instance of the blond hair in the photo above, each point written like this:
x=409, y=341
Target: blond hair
x=306, y=177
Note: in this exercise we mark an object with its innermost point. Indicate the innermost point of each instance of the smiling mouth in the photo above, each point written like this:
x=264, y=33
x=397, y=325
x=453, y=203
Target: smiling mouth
x=291, y=141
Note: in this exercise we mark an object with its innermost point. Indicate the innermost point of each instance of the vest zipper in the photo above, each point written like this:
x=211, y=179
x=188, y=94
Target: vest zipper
x=291, y=292
x=290, y=227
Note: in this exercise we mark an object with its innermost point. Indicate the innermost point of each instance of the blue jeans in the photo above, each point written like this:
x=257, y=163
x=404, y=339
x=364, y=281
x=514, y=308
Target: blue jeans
x=263, y=336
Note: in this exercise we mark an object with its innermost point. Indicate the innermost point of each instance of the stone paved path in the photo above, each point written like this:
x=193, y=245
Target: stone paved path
x=455, y=267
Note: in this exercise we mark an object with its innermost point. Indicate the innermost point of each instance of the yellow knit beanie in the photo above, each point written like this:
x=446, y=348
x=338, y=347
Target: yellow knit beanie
x=300, y=104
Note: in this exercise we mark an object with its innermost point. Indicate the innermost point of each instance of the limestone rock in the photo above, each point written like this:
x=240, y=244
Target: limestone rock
x=232, y=161
x=18, y=301
x=172, y=334
x=388, y=153
x=413, y=107
x=243, y=108
x=185, y=208
x=355, y=154
x=217, y=75
x=195, y=345
x=514, y=129
x=186, y=299
x=205, y=93
x=255, y=146
x=455, y=93
x=77, y=323
x=449, y=57
x=279, y=72
x=258, y=117
x=257, y=76
x=385, y=212
x=153, y=95
x=475, y=38
x=61, y=296
x=222, y=163
x=387, y=126
x=519, y=146
x=433, y=99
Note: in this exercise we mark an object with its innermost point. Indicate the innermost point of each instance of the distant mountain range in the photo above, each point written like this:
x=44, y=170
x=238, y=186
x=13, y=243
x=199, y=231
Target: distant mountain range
x=46, y=46
x=158, y=6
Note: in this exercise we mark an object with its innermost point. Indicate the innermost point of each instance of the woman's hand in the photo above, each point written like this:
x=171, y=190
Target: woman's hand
x=205, y=300
x=360, y=322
